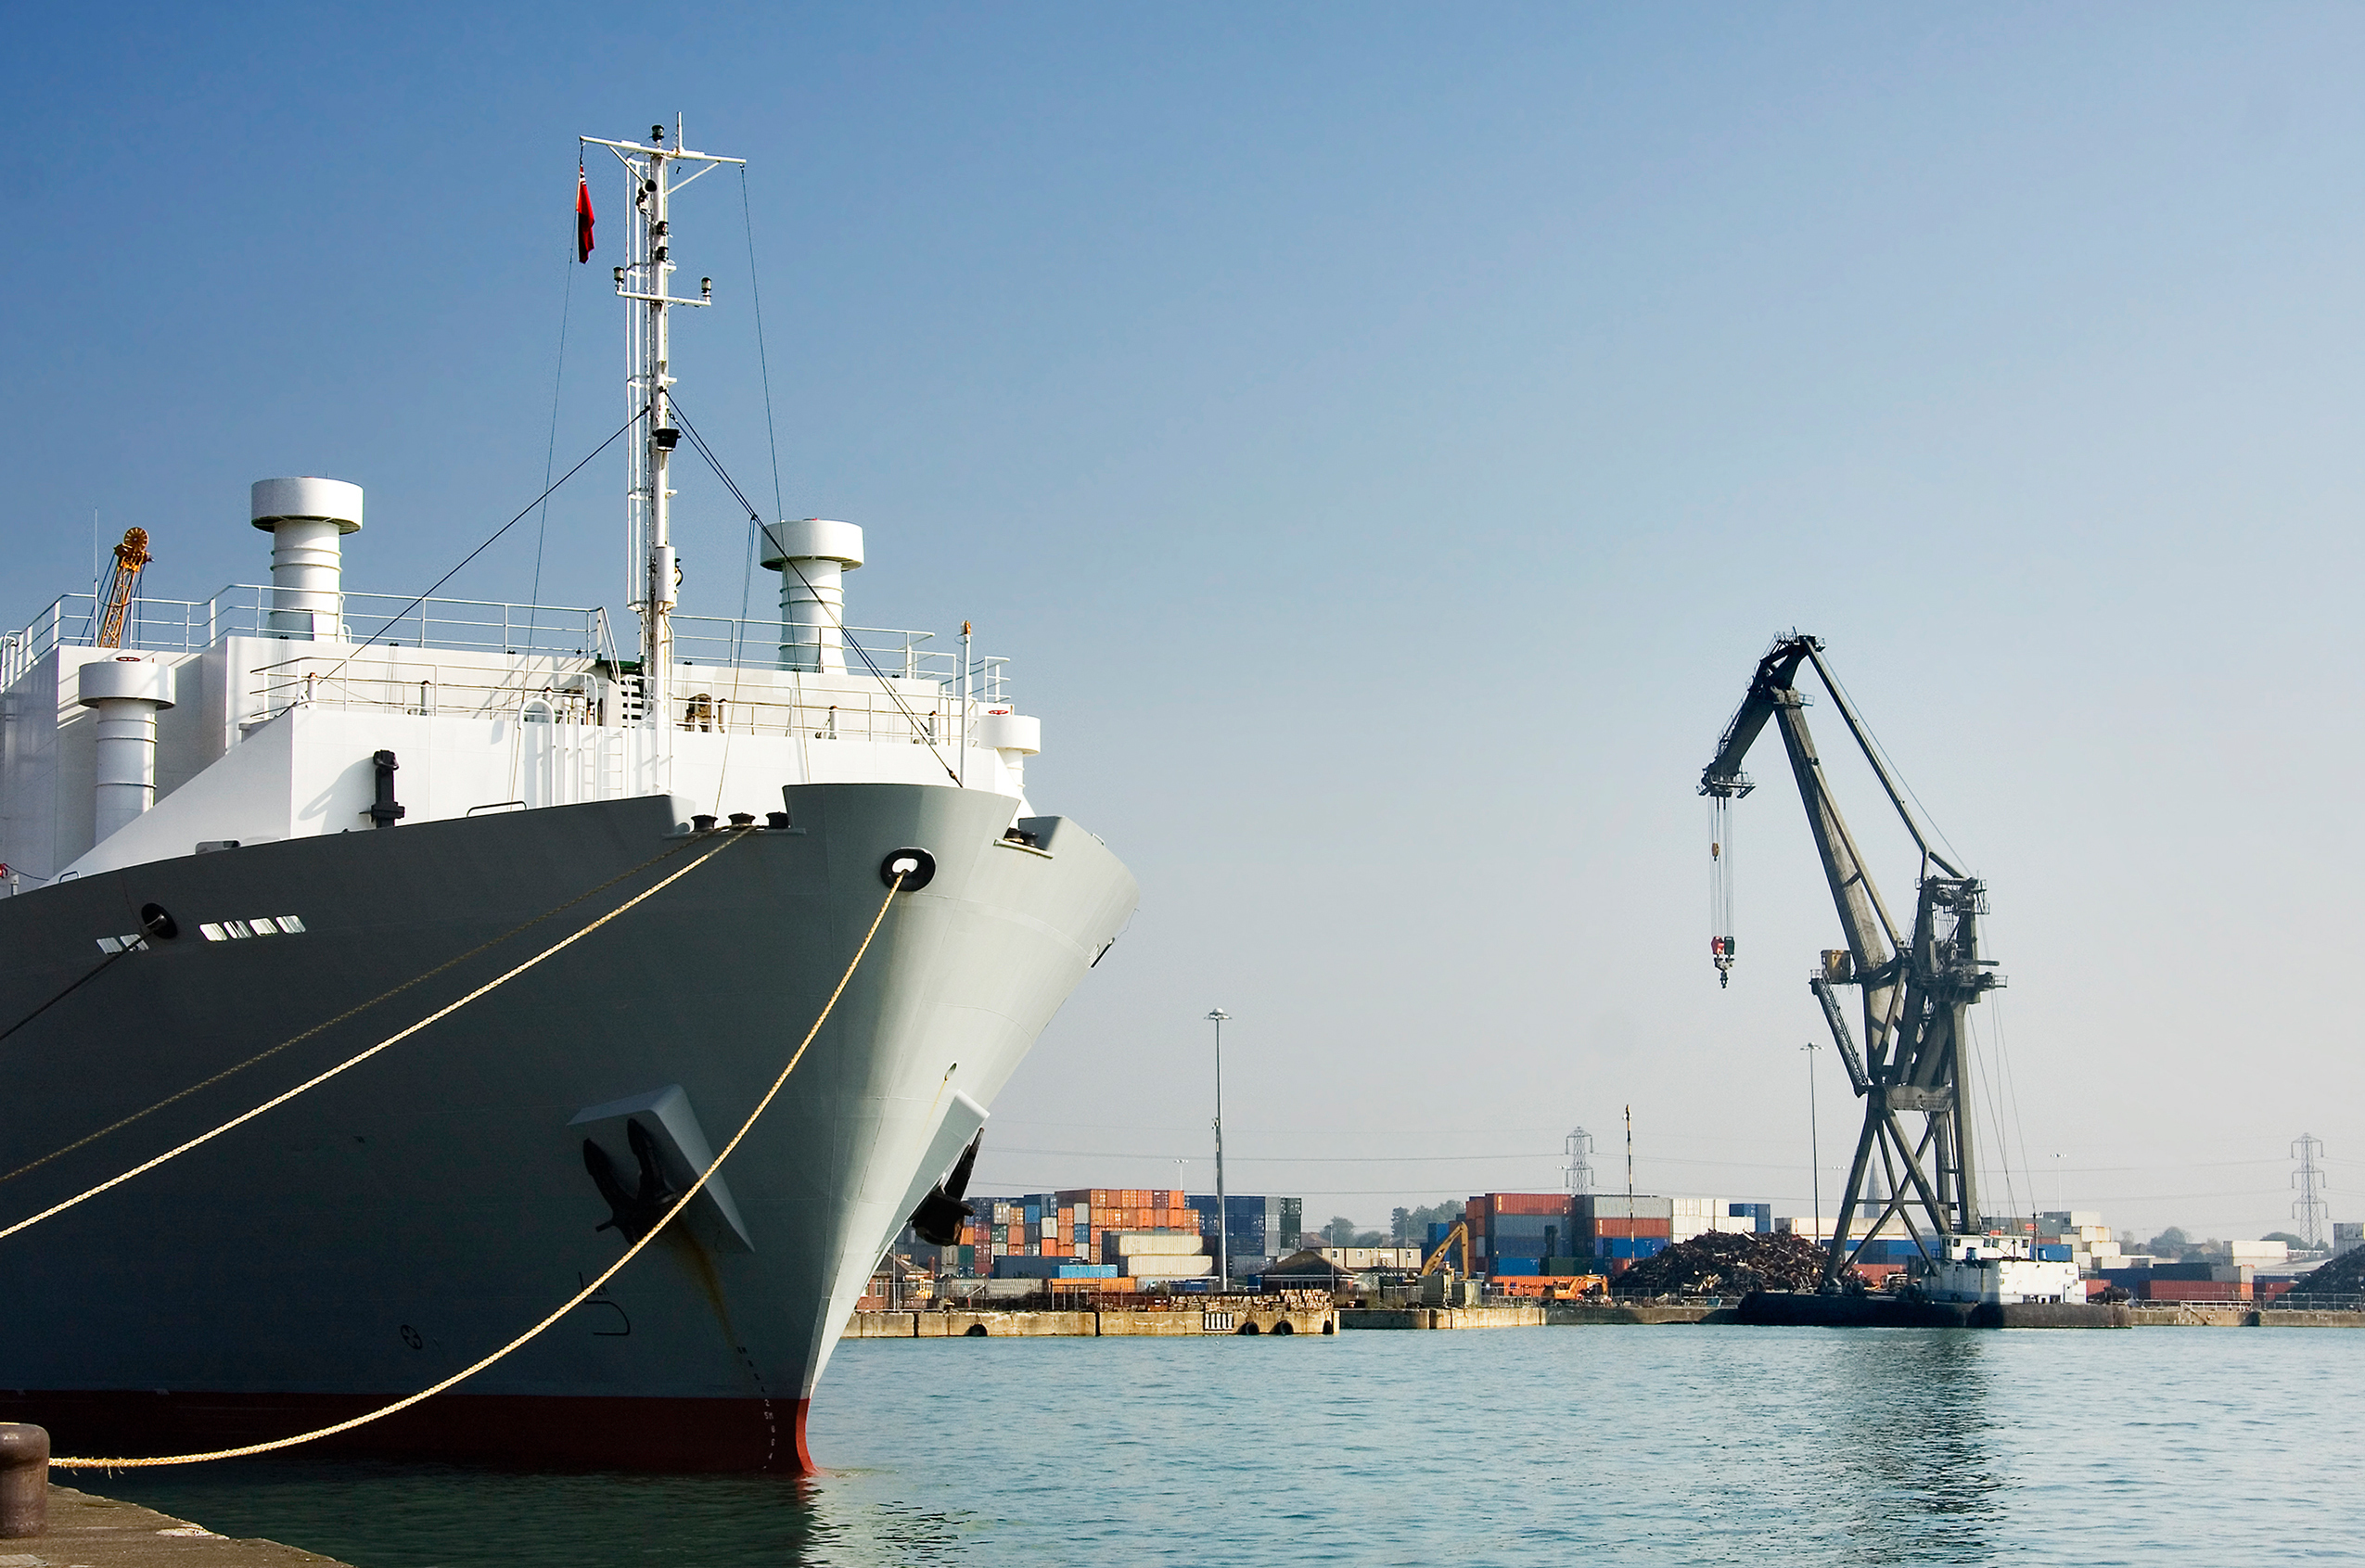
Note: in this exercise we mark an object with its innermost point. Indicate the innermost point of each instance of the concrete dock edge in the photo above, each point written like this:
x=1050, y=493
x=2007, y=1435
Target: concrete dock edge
x=95, y=1532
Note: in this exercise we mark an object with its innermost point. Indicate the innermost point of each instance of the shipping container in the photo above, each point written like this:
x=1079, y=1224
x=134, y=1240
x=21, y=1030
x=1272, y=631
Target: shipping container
x=1599, y=1206
x=1169, y=1243
x=2193, y=1290
x=1523, y=1203
x=1628, y=1249
x=1154, y=1266
x=1663, y=1229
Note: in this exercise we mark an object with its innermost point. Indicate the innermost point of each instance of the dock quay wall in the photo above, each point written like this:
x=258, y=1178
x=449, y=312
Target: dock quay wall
x=1233, y=1318
x=1215, y=1315
x=1441, y=1318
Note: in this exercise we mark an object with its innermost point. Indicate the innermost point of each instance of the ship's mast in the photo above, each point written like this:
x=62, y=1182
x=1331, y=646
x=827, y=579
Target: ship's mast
x=653, y=172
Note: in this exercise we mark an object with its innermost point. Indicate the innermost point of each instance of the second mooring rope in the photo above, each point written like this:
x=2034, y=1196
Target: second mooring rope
x=355, y=1060
x=572, y=1302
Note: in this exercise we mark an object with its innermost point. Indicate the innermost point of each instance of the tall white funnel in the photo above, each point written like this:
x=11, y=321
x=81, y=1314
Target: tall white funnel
x=126, y=692
x=812, y=556
x=307, y=519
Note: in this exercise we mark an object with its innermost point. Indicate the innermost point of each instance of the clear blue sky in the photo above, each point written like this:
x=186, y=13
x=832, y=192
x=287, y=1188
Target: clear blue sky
x=1384, y=439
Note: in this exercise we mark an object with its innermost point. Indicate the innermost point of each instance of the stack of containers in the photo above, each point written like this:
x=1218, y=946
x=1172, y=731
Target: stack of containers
x=1517, y=1232
x=1253, y=1221
x=2090, y=1244
x=1071, y=1227
x=1094, y=1212
x=1619, y=1231
x=1749, y=1216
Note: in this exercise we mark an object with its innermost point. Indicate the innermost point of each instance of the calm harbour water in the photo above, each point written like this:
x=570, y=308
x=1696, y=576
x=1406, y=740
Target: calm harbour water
x=1644, y=1445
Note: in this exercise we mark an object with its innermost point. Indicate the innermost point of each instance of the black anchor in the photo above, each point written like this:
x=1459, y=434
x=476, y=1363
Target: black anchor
x=633, y=1213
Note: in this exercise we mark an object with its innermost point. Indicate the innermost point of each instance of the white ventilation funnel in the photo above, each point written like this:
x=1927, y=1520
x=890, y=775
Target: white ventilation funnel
x=308, y=520
x=1011, y=736
x=126, y=692
x=812, y=556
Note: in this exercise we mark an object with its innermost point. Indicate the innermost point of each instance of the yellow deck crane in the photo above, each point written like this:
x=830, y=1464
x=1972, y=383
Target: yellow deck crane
x=122, y=583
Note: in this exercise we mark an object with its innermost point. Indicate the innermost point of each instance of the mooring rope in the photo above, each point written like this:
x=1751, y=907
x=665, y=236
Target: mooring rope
x=354, y=1012
x=355, y=1060
x=572, y=1302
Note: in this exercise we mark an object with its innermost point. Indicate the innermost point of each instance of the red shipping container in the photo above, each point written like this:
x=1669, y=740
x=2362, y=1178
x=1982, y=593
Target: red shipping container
x=1530, y=1203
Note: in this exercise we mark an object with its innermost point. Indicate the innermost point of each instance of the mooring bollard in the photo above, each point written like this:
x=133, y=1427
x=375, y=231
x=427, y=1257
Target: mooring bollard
x=24, y=1481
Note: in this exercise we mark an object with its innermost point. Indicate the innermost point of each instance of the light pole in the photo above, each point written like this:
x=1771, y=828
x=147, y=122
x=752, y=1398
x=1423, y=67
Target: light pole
x=1222, y=1219
x=1814, y=1145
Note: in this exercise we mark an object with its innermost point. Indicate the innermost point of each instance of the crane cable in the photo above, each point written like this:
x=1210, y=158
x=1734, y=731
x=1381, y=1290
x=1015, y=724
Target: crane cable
x=356, y=1060
x=572, y=1302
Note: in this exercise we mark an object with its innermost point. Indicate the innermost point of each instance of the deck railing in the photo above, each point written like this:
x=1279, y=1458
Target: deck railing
x=485, y=626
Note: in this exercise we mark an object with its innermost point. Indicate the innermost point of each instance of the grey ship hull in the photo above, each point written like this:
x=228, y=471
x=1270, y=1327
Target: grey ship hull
x=398, y=1223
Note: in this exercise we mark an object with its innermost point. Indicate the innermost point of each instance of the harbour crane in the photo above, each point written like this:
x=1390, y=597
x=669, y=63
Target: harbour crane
x=1915, y=990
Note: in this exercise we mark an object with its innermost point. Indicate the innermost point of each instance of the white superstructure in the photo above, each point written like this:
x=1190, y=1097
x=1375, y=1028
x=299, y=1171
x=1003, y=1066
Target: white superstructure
x=1998, y=1270
x=266, y=712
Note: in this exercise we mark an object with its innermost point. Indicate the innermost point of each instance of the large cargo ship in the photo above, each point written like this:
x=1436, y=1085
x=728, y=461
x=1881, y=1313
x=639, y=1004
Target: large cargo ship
x=292, y=821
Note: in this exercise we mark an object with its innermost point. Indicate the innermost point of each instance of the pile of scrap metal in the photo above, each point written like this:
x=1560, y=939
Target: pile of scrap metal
x=2344, y=1275
x=1732, y=1263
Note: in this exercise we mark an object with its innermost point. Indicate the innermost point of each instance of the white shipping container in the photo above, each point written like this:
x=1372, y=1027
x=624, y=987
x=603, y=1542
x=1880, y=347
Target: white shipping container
x=1166, y=1265
x=1156, y=1243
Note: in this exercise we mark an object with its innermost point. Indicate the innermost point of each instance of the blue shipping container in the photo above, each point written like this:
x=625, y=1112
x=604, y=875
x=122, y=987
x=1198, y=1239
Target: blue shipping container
x=1518, y=1266
x=2054, y=1253
x=1629, y=1248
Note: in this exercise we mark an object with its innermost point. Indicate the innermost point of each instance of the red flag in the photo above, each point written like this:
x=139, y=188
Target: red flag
x=582, y=217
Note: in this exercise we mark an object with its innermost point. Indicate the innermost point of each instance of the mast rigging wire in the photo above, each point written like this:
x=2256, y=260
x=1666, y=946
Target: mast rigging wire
x=836, y=617
x=638, y=414
x=755, y=290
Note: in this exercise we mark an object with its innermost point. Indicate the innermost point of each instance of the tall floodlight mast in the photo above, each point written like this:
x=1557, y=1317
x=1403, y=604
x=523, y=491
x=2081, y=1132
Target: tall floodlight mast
x=654, y=173
x=1916, y=992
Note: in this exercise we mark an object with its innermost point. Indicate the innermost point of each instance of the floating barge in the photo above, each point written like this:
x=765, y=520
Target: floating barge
x=1798, y=1309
